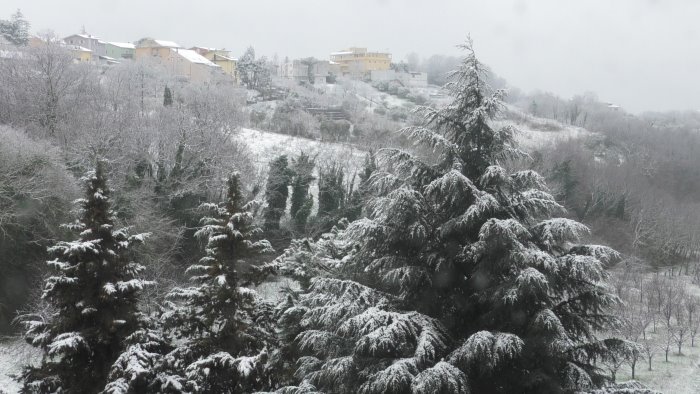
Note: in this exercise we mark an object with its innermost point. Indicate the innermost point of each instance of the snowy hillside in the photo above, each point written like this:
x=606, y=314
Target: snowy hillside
x=265, y=146
x=538, y=132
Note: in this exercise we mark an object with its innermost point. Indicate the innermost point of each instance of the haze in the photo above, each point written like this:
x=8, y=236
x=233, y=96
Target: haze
x=642, y=55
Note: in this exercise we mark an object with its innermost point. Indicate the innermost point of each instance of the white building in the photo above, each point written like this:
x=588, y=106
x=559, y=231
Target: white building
x=411, y=79
x=299, y=70
x=88, y=41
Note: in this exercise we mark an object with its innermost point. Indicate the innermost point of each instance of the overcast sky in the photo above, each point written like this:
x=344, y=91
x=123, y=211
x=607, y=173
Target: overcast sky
x=641, y=54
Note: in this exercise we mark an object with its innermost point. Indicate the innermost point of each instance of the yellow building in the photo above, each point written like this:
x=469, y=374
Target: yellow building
x=80, y=54
x=221, y=58
x=358, y=62
x=150, y=48
x=36, y=42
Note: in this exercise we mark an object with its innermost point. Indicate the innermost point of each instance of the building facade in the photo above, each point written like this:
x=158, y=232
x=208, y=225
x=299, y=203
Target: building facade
x=149, y=48
x=84, y=40
x=359, y=62
x=81, y=54
x=413, y=79
x=222, y=58
x=299, y=70
x=120, y=50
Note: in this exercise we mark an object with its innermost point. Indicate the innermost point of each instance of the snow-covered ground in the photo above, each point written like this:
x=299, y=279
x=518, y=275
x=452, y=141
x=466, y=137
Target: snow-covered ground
x=266, y=146
x=14, y=354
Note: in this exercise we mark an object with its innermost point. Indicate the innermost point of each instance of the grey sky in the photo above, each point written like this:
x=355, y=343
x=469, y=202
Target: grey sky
x=642, y=54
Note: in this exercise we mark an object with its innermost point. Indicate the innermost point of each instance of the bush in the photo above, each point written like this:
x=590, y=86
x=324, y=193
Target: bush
x=398, y=114
x=382, y=86
x=402, y=92
x=257, y=117
x=335, y=130
x=419, y=99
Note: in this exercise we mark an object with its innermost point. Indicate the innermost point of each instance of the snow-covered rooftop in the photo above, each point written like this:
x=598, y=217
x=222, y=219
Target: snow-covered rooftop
x=84, y=36
x=207, y=48
x=126, y=45
x=194, y=57
x=342, y=53
x=169, y=44
x=217, y=56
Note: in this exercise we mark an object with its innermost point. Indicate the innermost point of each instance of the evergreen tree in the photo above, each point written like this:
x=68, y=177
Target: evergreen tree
x=359, y=197
x=331, y=191
x=167, y=97
x=277, y=191
x=139, y=369
x=224, y=330
x=564, y=175
x=459, y=280
x=16, y=30
x=94, y=295
x=302, y=201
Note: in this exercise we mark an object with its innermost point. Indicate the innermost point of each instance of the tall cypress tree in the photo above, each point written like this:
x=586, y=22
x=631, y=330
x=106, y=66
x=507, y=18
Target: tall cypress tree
x=459, y=280
x=302, y=201
x=277, y=191
x=225, y=331
x=358, y=197
x=94, y=293
x=331, y=192
x=167, y=97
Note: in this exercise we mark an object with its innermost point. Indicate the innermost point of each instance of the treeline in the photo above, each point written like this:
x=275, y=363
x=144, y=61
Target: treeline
x=635, y=181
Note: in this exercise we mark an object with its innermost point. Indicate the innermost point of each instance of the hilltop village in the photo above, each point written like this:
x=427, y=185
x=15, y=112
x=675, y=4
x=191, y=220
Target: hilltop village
x=219, y=65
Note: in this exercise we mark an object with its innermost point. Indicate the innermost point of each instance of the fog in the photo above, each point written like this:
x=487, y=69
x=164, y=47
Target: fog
x=641, y=55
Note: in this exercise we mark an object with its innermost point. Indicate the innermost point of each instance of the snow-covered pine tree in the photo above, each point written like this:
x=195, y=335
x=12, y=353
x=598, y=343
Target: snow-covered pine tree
x=140, y=367
x=16, y=30
x=94, y=294
x=224, y=331
x=458, y=280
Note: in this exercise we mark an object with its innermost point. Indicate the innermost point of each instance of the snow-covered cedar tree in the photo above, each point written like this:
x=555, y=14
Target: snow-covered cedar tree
x=459, y=280
x=224, y=332
x=278, y=179
x=94, y=291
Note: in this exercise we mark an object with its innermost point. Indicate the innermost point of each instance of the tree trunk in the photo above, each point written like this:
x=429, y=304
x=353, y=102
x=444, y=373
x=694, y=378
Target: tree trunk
x=666, y=354
x=650, y=363
x=634, y=364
